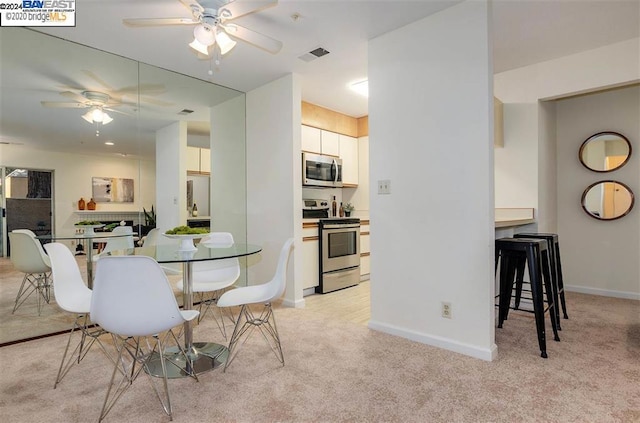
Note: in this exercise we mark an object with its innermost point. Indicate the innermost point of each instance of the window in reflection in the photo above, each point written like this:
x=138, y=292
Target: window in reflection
x=607, y=200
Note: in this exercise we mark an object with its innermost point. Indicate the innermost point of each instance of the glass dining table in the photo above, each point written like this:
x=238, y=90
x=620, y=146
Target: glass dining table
x=89, y=237
x=204, y=356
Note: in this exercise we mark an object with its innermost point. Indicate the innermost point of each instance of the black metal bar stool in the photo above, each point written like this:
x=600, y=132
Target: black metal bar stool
x=556, y=266
x=513, y=253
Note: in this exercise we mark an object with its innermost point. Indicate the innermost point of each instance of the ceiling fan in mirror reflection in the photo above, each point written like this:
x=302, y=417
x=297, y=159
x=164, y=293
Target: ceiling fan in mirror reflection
x=105, y=99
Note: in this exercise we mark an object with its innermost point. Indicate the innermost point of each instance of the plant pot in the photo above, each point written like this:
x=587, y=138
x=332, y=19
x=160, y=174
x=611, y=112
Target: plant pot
x=347, y=213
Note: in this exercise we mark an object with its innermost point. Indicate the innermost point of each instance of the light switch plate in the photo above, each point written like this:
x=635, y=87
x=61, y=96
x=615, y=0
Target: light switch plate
x=384, y=186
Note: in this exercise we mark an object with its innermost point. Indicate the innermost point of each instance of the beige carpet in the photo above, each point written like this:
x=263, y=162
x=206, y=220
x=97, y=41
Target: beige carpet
x=343, y=372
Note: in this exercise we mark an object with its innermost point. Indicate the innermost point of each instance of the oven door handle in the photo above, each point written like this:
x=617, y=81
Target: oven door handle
x=340, y=226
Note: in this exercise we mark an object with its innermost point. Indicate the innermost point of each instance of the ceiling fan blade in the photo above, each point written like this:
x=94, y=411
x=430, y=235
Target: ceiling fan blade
x=118, y=111
x=240, y=8
x=158, y=21
x=63, y=105
x=99, y=80
x=142, y=89
x=73, y=96
x=255, y=38
x=193, y=6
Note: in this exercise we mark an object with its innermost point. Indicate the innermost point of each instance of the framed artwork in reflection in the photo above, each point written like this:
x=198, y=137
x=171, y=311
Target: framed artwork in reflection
x=112, y=190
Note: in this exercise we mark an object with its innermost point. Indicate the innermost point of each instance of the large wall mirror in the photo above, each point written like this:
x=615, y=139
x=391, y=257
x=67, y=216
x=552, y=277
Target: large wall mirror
x=47, y=85
x=605, y=151
x=607, y=200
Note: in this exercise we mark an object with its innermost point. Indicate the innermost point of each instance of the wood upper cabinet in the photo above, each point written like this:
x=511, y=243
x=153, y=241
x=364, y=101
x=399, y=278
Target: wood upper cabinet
x=349, y=155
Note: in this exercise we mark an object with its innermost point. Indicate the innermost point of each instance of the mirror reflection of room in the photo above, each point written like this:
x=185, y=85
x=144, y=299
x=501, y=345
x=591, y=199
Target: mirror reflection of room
x=607, y=200
x=605, y=152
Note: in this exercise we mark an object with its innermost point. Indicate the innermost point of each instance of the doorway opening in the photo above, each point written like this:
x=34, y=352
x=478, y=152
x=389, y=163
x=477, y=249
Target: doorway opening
x=27, y=203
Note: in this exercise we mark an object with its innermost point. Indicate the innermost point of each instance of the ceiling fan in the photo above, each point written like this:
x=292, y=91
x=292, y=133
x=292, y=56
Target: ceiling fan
x=97, y=102
x=214, y=33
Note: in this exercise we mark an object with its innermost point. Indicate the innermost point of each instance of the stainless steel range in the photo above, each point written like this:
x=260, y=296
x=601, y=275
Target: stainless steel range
x=339, y=253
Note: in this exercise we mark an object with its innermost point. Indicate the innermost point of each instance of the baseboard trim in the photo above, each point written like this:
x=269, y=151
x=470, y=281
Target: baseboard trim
x=295, y=304
x=603, y=292
x=436, y=341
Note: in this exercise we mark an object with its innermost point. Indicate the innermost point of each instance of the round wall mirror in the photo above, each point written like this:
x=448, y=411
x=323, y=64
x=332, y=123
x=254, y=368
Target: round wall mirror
x=607, y=200
x=605, y=151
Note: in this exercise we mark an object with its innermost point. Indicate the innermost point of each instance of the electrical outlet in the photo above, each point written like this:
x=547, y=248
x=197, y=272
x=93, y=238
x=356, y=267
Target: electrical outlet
x=446, y=310
x=384, y=186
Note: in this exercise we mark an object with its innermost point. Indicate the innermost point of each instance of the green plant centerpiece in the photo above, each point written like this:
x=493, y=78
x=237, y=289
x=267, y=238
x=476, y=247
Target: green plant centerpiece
x=88, y=222
x=186, y=236
x=348, y=207
x=185, y=230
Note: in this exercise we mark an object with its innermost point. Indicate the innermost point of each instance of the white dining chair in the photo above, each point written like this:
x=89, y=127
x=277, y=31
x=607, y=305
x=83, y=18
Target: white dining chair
x=133, y=300
x=73, y=296
x=211, y=278
x=264, y=295
x=116, y=243
x=155, y=238
x=28, y=256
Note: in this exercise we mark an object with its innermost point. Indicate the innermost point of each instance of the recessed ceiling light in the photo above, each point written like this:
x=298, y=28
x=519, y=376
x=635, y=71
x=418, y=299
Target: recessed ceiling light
x=108, y=143
x=361, y=87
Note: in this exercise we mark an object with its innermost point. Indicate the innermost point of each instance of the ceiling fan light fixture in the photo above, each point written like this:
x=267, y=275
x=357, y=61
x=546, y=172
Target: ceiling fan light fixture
x=200, y=48
x=97, y=115
x=106, y=118
x=204, y=34
x=224, y=42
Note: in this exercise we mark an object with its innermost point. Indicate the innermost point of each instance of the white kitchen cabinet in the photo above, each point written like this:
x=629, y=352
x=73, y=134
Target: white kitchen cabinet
x=198, y=160
x=205, y=160
x=311, y=139
x=310, y=253
x=319, y=141
x=330, y=143
x=193, y=159
x=349, y=156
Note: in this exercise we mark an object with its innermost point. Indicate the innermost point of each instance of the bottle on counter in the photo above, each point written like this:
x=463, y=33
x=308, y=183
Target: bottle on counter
x=334, y=207
x=81, y=204
x=341, y=210
x=194, y=211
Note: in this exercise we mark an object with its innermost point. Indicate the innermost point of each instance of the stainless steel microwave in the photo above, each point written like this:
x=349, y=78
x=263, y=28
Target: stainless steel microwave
x=321, y=171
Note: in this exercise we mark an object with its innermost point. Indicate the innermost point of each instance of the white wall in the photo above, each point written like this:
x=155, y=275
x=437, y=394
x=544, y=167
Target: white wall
x=599, y=257
x=609, y=66
x=431, y=134
x=274, y=178
x=547, y=216
x=171, y=176
x=228, y=168
x=72, y=179
x=515, y=165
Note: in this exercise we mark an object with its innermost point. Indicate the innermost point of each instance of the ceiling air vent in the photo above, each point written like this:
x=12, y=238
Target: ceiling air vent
x=185, y=112
x=314, y=54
